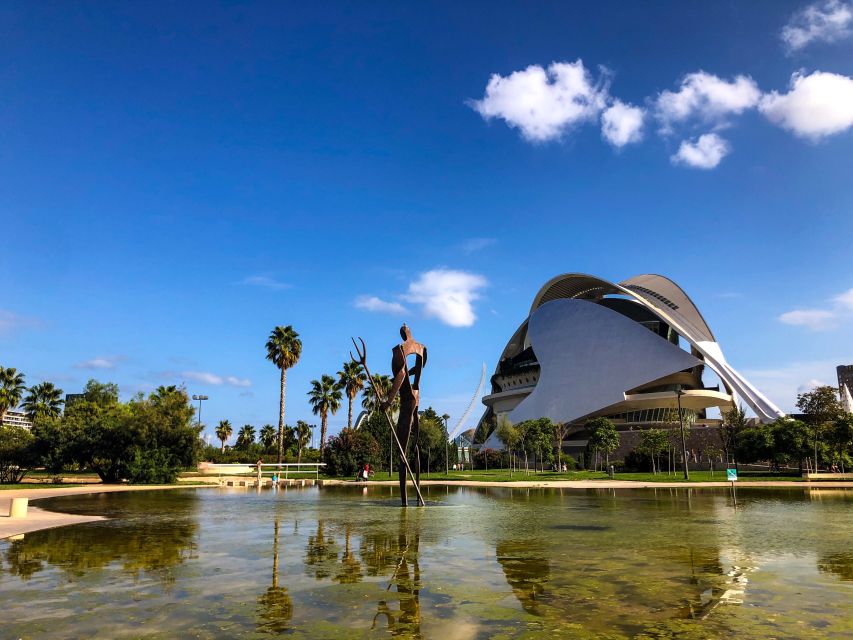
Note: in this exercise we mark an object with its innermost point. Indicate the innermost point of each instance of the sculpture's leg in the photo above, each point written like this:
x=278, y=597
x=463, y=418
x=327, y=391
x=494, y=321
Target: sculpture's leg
x=417, y=433
x=404, y=429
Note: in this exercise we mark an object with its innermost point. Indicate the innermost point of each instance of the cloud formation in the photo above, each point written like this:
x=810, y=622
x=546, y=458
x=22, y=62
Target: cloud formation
x=705, y=153
x=472, y=245
x=822, y=319
x=265, y=282
x=11, y=322
x=372, y=303
x=445, y=294
x=827, y=21
x=816, y=105
x=622, y=123
x=206, y=377
x=543, y=104
x=448, y=295
x=100, y=363
x=783, y=383
x=707, y=97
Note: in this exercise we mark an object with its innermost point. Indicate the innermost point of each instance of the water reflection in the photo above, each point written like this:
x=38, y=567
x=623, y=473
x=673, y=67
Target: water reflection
x=153, y=543
x=275, y=606
x=526, y=569
x=404, y=617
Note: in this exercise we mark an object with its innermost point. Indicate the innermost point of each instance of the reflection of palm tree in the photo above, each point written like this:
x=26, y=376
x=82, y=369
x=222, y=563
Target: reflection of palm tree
x=350, y=569
x=275, y=606
x=321, y=553
x=526, y=569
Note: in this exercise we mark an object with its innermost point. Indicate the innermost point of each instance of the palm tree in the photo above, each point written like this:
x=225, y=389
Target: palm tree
x=303, y=436
x=267, y=436
x=325, y=397
x=352, y=379
x=224, y=431
x=245, y=437
x=43, y=399
x=283, y=349
x=12, y=389
x=369, y=401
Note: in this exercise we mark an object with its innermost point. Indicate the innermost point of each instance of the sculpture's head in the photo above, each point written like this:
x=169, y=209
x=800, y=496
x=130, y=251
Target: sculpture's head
x=405, y=332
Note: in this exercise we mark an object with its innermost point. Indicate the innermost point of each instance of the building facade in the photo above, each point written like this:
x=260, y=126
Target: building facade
x=17, y=419
x=637, y=352
x=845, y=386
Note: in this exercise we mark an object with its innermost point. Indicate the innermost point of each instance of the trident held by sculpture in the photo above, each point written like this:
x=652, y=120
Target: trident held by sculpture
x=409, y=398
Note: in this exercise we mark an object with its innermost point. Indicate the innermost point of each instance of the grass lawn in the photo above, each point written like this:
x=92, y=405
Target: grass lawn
x=502, y=475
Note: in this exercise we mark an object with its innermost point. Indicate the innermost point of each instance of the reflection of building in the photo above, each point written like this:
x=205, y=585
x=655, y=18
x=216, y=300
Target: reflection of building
x=591, y=347
x=17, y=419
x=845, y=386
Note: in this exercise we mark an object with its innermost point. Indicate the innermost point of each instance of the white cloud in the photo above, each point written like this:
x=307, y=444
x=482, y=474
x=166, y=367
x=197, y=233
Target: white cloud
x=11, y=322
x=266, y=282
x=101, y=362
x=622, y=123
x=822, y=319
x=845, y=299
x=819, y=22
x=544, y=103
x=782, y=384
x=814, y=319
x=372, y=303
x=472, y=245
x=706, y=96
x=816, y=106
x=705, y=153
x=448, y=295
x=206, y=377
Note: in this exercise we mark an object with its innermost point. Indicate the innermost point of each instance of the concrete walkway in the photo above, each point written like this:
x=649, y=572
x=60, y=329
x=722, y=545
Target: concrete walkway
x=602, y=484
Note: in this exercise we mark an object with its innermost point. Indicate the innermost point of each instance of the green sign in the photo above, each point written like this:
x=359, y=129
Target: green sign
x=731, y=475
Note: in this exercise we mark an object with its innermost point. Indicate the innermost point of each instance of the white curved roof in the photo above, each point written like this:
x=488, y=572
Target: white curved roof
x=665, y=299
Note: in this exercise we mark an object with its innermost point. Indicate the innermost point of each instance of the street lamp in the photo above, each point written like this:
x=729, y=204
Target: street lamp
x=199, y=398
x=446, y=417
x=678, y=393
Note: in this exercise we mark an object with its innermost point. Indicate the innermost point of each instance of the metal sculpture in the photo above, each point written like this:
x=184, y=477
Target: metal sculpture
x=407, y=384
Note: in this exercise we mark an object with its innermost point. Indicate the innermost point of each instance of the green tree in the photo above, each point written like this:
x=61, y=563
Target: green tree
x=283, y=349
x=734, y=421
x=17, y=456
x=351, y=378
x=790, y=442
x=603, y=437
x=755, y=444
x=536, y=438
x=841, y=439
x=822, y=407
x=303, y=437
x=224, y=431
x=43, y=399
x=325, y=398
x=349, y=451
x=508, y=434
x=653, y=442
x=12, y=389
x=102, y=394
x=431, y=439
x=267, y=437
x=54, y=443
x=245, y=437
x=369, y=401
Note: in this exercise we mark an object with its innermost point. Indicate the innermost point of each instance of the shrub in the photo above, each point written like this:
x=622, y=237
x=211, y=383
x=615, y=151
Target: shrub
x=350, y=450
x=17, y=455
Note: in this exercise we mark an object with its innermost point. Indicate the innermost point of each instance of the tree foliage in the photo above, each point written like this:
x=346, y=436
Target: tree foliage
x=349, y=451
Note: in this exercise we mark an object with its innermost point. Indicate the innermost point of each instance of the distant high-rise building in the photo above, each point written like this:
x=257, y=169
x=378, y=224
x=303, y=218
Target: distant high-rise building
x=845, y=386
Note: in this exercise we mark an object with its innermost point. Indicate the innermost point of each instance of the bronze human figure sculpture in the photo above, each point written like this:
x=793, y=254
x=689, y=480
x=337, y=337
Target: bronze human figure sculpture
x=409, y=390
x=407, y=384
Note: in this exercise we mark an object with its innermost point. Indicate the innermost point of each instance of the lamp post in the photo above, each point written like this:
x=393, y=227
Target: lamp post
x=446, y=417
x=678, y=393
x=199, y=398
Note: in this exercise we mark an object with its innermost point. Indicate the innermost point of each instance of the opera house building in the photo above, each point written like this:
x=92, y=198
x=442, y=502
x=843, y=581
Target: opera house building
x=632, y=351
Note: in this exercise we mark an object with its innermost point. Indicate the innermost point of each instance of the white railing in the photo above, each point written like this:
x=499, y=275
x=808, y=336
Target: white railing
x=235, y=469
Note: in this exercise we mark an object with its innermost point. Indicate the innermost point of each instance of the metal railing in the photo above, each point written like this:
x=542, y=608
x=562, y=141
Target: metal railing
x=275, y=467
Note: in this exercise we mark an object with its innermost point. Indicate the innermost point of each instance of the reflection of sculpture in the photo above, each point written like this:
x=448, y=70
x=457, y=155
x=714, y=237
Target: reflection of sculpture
x=275, y=606
x=407, y=384
x=407, y=579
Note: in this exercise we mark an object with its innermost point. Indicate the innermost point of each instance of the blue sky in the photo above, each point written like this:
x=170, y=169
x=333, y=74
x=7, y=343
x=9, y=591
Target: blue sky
x=178, y=178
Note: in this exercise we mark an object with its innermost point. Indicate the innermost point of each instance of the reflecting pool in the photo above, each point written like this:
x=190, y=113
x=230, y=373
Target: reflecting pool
x=341, y=562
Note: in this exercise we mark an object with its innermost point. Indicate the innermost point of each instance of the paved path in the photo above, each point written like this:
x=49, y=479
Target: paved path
x=605, y=484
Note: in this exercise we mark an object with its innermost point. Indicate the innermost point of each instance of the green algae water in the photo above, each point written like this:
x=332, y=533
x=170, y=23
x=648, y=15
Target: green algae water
x=347, y=562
